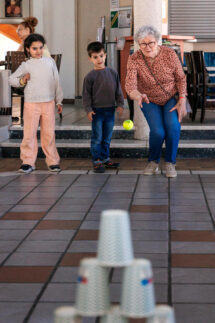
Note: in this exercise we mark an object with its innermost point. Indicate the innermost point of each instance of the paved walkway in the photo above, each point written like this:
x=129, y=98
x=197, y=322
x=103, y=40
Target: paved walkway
x=49, y=222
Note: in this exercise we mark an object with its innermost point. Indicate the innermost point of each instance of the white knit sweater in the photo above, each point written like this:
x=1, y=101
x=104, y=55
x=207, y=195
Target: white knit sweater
x=44, y=85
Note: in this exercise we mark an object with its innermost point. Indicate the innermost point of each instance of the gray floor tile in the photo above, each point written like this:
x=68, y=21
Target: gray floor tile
x=13, y=312
x=190, y=217
x=150, y=235
x=83, y=246
x=189, y=293
x=90, y=225
x=150, y=246
x=191, y=225
x=151, y=195
x=13, y=235
x=94, y=216
x=157, y=259
x=44, y=235
x=4, y=208
x=188, y=208
x=44, y=312
x=30, y=208
x=22, y=292
x=59, y=293
x=198, y=313
x=149, y=225
x=193, y=275
x=8, y=246
x=3, y=256
x=13, y=224
x=149, y=216
x=191, y=196
x=193, y=247
x=77, y=201
x=69, y=208
x=148, y=201
x=40, y=246
x=66, y=275
x=64, y=216
x=33, y=259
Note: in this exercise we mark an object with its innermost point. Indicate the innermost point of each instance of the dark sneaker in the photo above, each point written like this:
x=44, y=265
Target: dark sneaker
x=110, y=164
x=54, y=168
x=98, y=168
x=25, y=168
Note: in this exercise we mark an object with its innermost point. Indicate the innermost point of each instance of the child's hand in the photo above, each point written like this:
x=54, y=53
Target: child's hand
x=59, y=108
x=120, y=110
x=90, y=115
x=26, y=77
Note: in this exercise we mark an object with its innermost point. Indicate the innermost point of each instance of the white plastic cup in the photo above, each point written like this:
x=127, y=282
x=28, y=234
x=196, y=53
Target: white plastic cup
x=92, y=290
x=115, y=243
x=114, y=316
x=66, y=314
x=162, y=314
x=137, y=297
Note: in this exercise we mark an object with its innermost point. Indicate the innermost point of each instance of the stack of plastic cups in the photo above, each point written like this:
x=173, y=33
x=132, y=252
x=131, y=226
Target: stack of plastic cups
x=113, y=316
x=162, y=314
x=92, y=297
x=115, y=244
x=137, y=297
x=66, y=314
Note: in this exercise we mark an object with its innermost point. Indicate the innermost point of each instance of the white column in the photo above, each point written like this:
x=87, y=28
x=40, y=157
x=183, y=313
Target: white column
x=145, y=12
x=37, y=11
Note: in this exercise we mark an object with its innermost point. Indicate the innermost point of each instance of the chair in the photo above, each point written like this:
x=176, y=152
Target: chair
x=191, y=82
x=57, y=59
x=13, y=60
x=203, y=83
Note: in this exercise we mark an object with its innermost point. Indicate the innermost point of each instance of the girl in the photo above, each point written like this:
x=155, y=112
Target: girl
x=40, y=77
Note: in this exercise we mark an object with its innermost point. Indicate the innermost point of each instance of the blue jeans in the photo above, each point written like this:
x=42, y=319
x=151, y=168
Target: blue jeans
x=102, y=129
x=164, y=125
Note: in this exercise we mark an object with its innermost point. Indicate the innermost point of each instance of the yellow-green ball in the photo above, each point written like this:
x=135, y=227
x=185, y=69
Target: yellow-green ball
x=128, y=124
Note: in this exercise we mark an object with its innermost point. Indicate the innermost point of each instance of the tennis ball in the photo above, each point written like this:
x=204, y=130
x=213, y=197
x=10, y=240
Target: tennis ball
x=128, y=124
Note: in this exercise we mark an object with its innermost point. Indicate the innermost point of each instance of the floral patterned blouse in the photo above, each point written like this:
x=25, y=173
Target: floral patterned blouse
x=167, y=69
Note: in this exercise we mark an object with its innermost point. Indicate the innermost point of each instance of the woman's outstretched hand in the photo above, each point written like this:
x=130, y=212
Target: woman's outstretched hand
x=181, y=109
x=142, y=98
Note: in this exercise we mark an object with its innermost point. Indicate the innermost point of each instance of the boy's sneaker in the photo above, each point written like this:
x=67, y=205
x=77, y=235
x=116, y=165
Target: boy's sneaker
x=54, y=168
x=97, y=167
x=25, y=168
x=110, y=164
x=152, y=168
x=170, y=170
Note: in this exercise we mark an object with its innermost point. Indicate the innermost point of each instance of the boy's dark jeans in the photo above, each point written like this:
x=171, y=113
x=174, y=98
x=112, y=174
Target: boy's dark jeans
x=102, y=129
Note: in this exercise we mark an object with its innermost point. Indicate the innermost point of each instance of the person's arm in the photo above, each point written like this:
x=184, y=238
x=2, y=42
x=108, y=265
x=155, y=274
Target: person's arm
x=119, y=94
x=15, y=79
x=46, y=52
x=87, y=97
x=58, y=89
x=131, y=83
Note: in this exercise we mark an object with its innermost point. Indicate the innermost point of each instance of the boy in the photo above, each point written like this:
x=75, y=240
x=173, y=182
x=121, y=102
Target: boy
x=101, y=94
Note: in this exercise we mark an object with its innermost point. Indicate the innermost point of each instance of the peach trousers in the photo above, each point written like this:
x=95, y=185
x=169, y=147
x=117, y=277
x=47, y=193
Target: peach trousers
x=33, y=113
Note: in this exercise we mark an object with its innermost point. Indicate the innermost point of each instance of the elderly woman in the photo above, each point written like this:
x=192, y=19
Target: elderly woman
x=154, y=77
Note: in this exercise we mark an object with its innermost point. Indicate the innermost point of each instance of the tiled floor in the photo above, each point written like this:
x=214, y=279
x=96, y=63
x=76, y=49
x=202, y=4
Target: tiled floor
x=48, y=223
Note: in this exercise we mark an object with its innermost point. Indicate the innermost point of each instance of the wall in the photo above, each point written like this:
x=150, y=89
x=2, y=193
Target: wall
x=88, y=20
x=57, y=23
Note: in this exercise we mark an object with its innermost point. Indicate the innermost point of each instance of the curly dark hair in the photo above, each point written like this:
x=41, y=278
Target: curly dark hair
x=30, y=39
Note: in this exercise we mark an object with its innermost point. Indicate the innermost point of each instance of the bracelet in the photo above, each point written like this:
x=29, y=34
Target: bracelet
x=21, y=82
x=181, y=97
